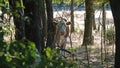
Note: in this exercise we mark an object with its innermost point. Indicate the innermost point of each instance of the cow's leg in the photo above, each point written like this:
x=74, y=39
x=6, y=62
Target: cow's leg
x=63, y=45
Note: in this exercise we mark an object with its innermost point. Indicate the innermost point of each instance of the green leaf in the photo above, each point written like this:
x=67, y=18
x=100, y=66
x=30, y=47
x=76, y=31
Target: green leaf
x=19, y=4
x=48, y=52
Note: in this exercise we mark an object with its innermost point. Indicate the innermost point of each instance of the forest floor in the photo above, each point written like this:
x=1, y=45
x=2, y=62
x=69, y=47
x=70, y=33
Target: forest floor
x=94, y=51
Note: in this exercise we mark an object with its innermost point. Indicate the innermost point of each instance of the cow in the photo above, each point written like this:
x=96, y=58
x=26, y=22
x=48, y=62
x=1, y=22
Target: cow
x=61, y=31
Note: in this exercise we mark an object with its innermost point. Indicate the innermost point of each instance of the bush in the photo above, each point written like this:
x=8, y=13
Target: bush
x=17, y=54
x=53, y=59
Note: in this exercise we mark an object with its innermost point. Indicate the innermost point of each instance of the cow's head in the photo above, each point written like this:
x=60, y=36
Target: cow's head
x=57, y=21
x=60, y=25
x=61, y=29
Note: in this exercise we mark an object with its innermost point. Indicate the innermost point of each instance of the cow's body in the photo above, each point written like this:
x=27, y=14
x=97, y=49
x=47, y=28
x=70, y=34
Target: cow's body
x=61, y=32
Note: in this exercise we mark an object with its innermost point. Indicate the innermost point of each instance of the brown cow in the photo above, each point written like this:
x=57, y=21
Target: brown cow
x=61, y=31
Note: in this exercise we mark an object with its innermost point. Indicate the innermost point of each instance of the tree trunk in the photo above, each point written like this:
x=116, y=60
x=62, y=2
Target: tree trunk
x=104, y=27
x=43, y=17
x=104, y=20
x=50, y=29
x=115, y=6
x=44, y=22
x=18, y=20
x=33, y=23
x=72, y=16
x=88, y=38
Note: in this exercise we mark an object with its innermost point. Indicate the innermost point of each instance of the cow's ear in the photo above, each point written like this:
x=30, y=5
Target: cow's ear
x=54, y=22
x=68, y=23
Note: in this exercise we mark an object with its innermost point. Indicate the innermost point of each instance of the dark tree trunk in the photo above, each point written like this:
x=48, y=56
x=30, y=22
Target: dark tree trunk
x=43, y=17
x=72, y=16
x=50, y=29
x=33, y=23
x=88, y=38
x=115, y=6
x=44, y=23
x=18, y=20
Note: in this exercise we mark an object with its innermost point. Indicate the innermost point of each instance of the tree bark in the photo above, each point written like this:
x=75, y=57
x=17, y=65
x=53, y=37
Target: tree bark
x=88, y=38
x=50, y=29
x=33, y=23
x=72, y=16
x=44, y=23
x=115, y=7
x=43, y=17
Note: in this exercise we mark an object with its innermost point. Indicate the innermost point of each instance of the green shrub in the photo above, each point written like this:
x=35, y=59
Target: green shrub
x=53, y=59
x=17, y=54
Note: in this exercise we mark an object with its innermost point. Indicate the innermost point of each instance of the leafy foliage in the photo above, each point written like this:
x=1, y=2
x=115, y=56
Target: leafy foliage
x=17, y=54
x=53, y=59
